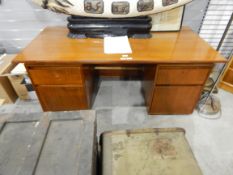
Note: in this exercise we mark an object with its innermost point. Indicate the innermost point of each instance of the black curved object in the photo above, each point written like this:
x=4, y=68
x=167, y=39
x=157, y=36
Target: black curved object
x=89, y=27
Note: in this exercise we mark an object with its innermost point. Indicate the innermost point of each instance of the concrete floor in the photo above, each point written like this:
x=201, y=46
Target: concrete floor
x=120, y=105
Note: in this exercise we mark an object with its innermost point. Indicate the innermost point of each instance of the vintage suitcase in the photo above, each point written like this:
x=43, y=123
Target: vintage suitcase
x=147, y=152
x=48, y=144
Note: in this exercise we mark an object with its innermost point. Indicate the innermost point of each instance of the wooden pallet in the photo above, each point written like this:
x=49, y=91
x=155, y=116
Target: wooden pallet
x=226, y=82
x=48, y=143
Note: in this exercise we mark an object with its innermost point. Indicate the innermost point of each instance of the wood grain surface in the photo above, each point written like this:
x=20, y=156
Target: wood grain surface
x=175, y=99
x=226, y=82
x=62, y=98
x=52, y=45
x=182, y=74
x=56, y=75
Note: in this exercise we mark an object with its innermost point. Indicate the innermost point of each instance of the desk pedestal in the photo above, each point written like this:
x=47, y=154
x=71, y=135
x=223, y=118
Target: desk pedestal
x=168, y=88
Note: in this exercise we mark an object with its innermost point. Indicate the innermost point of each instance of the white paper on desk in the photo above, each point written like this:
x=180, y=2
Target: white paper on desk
x=117, y=45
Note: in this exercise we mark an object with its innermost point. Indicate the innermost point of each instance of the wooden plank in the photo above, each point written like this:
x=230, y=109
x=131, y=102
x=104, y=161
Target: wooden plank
x=172, y=48
x=18, y=141
x=61, y=150
x=89, y=140
x=5, y=63
x=7, y=92
x=226, y=82
x=69, y=138
x=226, y=86
x=48, y=143
x=228, y=76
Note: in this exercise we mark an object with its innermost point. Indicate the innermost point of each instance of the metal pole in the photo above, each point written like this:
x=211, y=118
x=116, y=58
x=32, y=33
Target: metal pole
x=225, y=65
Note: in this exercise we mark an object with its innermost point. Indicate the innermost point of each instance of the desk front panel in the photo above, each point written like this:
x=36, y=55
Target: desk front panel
x=52, y=75
x=175, y=99
x=62, y=98
x=182, y=74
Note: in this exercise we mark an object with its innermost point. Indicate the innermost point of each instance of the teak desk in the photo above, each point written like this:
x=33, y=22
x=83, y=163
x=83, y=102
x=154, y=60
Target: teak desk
x=175, y=68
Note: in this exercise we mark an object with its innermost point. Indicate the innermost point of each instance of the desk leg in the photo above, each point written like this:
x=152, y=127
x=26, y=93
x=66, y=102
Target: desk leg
x=148, y=84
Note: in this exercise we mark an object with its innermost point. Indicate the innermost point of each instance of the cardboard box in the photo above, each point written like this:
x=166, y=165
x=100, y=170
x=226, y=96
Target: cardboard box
x=14, y=80
x=7, y=92
x=20, y=89
x=2, y=101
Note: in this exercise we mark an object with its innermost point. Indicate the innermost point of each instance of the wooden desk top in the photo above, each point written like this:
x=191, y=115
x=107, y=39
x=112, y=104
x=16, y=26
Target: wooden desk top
x=52, y=45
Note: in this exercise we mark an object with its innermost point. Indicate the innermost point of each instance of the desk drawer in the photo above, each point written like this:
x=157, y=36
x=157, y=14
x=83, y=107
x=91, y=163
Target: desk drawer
x=62, y=98
x=182, y=74
x=175, y=99
x=56, y=75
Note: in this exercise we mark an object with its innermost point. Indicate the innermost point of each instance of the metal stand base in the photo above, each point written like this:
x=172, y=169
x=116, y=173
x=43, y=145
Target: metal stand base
x=211, y=108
